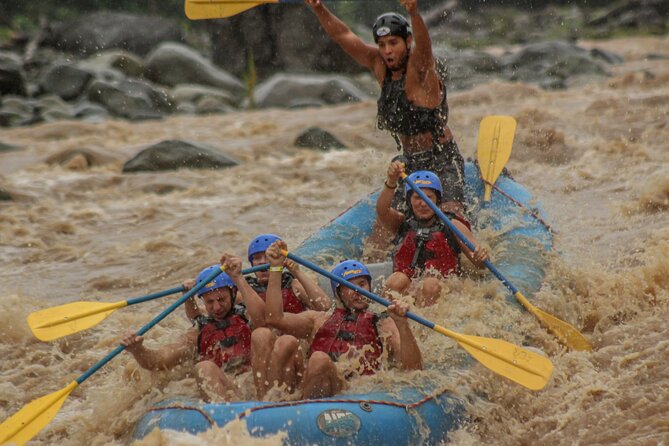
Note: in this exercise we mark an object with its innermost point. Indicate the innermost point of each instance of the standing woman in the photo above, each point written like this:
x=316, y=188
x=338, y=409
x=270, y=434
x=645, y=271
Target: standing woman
x=413, y=105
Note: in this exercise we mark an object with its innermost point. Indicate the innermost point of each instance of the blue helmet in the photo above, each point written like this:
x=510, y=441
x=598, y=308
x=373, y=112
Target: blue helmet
x=261, y=243
x=221, y=281
x=347, y=270
x=424, y=179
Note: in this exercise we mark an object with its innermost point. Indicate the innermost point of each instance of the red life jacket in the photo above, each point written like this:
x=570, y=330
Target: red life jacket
x=344, y=330
x=291, y=303
x=226, y=342
x=423, y=248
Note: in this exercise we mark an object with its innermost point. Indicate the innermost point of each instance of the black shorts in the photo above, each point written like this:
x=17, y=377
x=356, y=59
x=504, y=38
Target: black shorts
x=446, y=162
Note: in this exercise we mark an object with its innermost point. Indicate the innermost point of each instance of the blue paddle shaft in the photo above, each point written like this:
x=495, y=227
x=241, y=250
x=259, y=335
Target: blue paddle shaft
x=356, y=288
x=179, y=289
x=150, y=325
x=459, y=233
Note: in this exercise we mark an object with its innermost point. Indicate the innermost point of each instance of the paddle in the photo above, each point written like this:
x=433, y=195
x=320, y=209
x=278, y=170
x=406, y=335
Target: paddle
x=31, y=419
x=64, y=320
x=217, y=9
x=522, y=366
x=567, y=334
x=494, y=148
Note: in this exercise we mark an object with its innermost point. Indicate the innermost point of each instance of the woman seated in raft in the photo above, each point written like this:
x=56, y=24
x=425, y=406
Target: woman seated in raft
x=349, y=332
x=424, y=243
x=221, y=343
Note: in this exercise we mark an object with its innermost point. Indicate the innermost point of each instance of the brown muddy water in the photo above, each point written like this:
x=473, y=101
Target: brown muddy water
x=596, y=155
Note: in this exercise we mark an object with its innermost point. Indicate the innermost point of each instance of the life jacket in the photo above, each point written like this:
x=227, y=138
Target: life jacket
x=398, y=115
x=291, y=303
x=432, y=247
x=344, y=330
x=226, y=342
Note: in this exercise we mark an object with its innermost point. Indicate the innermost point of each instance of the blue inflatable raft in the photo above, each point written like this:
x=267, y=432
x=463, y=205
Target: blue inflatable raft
x=412, y=415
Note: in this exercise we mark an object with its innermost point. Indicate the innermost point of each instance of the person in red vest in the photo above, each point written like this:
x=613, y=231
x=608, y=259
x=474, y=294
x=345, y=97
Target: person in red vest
x=299, y=291
x=222, y=343
x=424, y=244
x=344, y=342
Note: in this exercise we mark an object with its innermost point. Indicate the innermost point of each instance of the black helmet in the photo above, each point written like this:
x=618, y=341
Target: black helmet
x=391, y=24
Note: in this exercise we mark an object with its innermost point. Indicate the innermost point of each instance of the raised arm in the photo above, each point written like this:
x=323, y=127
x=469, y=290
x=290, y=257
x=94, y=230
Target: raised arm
x=422, y=58
x=307, y=290
x=401, y=342
x=192, y=308
x=299, y=325
x=363, y=53
x=255, y=306
x=389, y=217
x=164, y=358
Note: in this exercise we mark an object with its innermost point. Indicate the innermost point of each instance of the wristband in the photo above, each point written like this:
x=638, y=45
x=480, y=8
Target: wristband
x=276, y=268
x=385, y=183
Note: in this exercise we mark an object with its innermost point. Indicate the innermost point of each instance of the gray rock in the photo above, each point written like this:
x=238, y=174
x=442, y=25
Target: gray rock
x=131, y=99
x=606, y=56
x=465, y=68
x=287, y=38
x=4, y=147
x=12, y=77
x=5, y=195
x=175, y=154
x=173, y=63
x=91, y=33
x=317, y=138
x=53, y=108
x=208, y=105
x=194, y=93
x=119, y=60
x=16, y=111
x=65, y=80
x=87, y=111
x=286, y=90
x=550, y=63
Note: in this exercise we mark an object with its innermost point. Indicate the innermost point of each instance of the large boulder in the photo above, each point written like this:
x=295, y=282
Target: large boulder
x=91, y=33
x=317, y=138
x=175, y=154
x=174, y=63
x=131, y=99
x=16, y=111
x=12, y=78
x=119, y=60
x=65, y=80
x=293, y=90
x=551, y=63
x=466, y=68
x=286, y=38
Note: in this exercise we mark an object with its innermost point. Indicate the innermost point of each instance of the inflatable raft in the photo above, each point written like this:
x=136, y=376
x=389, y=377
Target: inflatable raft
x=408, y=416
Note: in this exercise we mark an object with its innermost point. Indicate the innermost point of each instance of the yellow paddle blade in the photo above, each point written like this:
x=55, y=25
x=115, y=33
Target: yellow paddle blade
x=28, y=421
x=64, y=320
x=524, y=367
x=566, y=333
x=217, y=9
x=494, y=148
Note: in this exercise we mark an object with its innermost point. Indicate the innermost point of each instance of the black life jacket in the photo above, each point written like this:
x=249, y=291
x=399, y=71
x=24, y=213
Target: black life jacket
x=398, y=115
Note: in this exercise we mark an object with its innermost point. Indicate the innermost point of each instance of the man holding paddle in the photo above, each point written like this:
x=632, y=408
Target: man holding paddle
x=413, y=105
x=345, y=342
x=425, y=244
x=222, y=344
